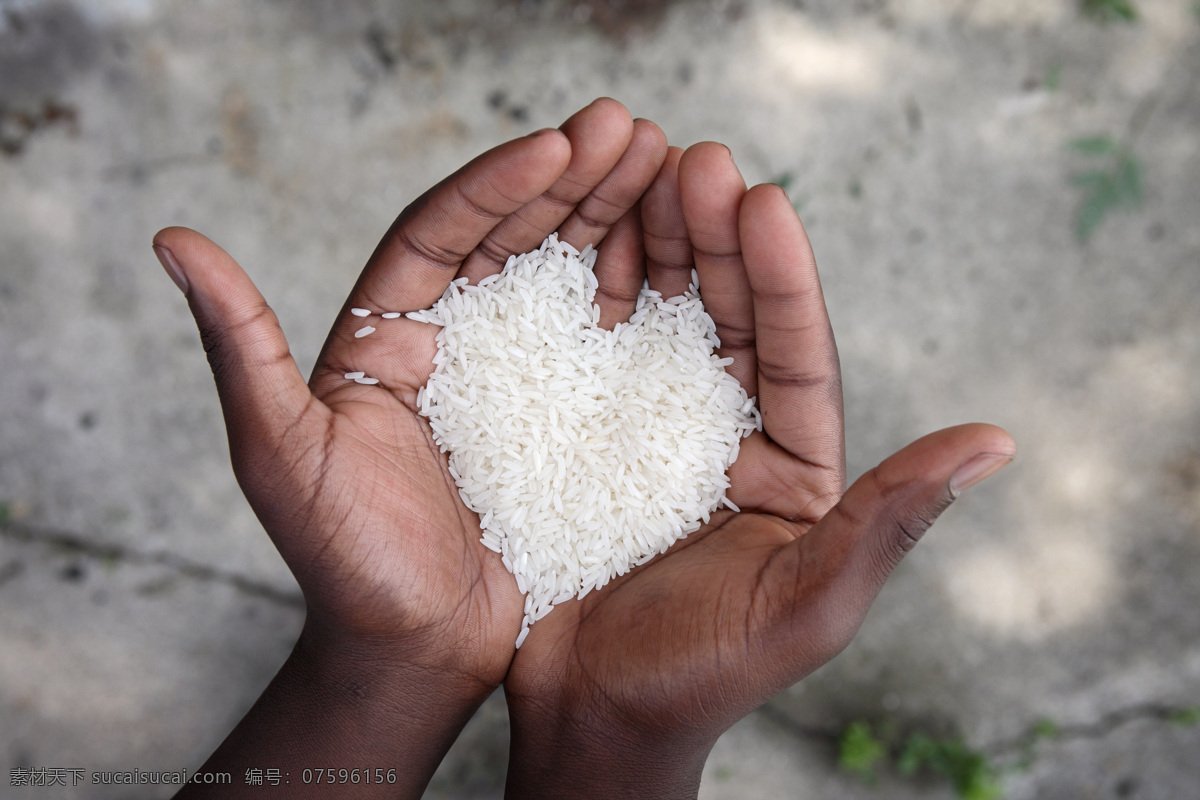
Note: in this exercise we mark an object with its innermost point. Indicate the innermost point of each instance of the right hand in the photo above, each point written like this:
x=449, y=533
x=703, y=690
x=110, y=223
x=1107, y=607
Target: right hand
x=624, y=693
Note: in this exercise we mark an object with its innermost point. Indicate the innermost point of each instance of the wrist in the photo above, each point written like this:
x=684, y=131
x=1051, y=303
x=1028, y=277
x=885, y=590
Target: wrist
x=555, y=754
x=347, y=704
x=401, y=699
x=385, y=678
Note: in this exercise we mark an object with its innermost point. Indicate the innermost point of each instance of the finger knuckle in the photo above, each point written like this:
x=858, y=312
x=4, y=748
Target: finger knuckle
x=735, y=337
x=434, y=254
x=590, y=214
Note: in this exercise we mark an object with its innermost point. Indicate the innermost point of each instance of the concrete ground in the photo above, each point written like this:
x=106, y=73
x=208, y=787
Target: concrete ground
x=1050, y=620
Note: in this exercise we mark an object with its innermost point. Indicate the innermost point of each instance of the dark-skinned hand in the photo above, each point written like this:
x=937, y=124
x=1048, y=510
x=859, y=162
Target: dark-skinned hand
x=410, y=620
x=623, y=693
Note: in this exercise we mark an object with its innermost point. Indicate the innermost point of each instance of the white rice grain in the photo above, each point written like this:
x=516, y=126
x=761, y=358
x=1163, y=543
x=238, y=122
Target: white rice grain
x=585, y=452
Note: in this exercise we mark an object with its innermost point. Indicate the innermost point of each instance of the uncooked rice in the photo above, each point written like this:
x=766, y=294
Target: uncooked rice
x=585, y=452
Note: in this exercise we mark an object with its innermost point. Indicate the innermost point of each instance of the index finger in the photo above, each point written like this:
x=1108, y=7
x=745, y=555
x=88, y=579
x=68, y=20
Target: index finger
x=424, y=248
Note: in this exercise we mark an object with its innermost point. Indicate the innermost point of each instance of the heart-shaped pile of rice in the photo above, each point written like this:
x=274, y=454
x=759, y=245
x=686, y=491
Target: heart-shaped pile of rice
x=585, y=452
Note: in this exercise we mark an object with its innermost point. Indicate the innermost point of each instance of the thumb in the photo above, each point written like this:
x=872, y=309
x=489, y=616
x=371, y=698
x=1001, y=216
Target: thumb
x=887, y=510
x=262, y=391
x=843, y=561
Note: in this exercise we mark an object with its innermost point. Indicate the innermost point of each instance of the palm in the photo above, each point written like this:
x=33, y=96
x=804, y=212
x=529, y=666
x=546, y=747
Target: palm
x=397, y=547
x=669, y=639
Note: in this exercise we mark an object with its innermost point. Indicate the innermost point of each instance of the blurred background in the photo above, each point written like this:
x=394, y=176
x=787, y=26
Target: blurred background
x=1004, y=200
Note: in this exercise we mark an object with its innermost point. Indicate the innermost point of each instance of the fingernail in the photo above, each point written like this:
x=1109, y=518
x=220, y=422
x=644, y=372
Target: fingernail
x=977, y=469
x=167, y=259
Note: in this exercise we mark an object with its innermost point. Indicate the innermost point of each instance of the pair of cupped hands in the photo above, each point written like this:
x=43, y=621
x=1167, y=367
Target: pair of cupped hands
x=411, y=620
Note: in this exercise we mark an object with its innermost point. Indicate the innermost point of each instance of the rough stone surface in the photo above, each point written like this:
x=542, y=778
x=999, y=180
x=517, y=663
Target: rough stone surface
x=142, y=609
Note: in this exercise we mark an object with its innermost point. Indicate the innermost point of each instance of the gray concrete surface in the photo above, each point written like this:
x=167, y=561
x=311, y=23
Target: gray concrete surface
x=142, y=609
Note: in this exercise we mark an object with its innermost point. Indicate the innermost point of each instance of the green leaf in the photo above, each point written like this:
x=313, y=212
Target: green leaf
x=1090, y=180
x=1185, y=717
x=1108, y=10
x=1092, y=213
x=859, y=751
x=979, y=786
x=918, y=750
x=1046, y=729
x=1095, y=145
x=1129, y=180
x=5, y=513
x=1118, y=185
x=972, y=774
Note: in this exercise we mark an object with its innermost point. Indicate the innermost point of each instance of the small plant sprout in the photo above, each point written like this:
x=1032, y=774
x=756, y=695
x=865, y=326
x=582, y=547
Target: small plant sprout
x=970, y=771
x=1114, y=183
x=1186, y=717
x=859, y=751
x=1110, y=10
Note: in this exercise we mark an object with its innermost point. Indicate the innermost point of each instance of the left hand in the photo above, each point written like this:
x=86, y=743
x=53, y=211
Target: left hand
x=410, y=619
